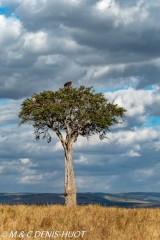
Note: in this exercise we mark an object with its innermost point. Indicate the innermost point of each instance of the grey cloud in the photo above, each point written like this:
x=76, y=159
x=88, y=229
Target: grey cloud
x=139, y=105
x=45, y=168
x=85, y=41
x=59, y=41
x=44, y=163
x=125, y=4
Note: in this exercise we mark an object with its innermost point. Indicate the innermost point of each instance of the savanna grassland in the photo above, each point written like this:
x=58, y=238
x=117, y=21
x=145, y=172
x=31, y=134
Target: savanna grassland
x=60, y=222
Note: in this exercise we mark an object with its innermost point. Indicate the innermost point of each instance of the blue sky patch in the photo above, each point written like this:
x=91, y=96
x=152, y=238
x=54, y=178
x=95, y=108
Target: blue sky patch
x=8, y=125
x=7, y=12
x=2, y=10
x=4, y=101
x=114, y=89
x=152, y=122
x=111, y=89
x=150, y=87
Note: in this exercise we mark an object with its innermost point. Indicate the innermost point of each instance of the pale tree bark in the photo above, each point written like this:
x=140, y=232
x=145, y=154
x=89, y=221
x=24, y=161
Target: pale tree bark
x=69, y=180
x=69, y=184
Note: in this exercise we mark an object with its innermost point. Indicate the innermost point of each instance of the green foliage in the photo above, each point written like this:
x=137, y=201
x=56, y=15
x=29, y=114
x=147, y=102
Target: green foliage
x=78, y=111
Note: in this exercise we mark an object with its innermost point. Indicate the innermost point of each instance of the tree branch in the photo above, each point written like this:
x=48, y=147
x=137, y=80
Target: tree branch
x=60, y=136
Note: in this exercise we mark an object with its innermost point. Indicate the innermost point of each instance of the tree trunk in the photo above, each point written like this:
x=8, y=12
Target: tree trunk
x=69, y=185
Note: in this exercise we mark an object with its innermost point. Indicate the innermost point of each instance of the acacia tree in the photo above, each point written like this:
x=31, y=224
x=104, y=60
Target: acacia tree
x=75, y=111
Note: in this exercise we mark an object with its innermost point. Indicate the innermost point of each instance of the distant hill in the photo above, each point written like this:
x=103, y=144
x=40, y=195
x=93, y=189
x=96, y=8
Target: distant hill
x=127, y=200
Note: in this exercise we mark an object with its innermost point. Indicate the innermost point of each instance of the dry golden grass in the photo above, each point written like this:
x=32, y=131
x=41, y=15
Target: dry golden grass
x=100, y=223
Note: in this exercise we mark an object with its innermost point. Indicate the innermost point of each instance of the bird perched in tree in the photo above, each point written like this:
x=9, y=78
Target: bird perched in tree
x=67, y=84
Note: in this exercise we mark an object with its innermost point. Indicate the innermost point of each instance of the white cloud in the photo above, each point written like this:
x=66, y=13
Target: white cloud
x=132, y=153
x=10, y=30
x=58, y=146
x=25, y=160
x=81, y=160
x=123, y=16
x=139, y=103
x=36, y=42
x=101, y=44
x=9, y=112
x=30, y=179
x=104, y=4
x=137, y=136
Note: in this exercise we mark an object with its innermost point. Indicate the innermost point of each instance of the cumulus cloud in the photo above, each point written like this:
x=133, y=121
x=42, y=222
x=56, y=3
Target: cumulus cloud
x=10, y=30
x=39, y=163
x=110, y=44
x=139, y=104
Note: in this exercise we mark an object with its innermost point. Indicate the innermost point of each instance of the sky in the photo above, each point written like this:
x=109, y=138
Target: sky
x=112, y=45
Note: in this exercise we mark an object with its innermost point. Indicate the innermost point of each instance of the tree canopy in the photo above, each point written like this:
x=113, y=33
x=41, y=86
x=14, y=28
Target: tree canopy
x=78, y=111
